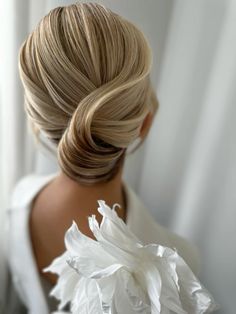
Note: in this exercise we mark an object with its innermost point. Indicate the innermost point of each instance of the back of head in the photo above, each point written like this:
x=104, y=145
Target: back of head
x=86, y=74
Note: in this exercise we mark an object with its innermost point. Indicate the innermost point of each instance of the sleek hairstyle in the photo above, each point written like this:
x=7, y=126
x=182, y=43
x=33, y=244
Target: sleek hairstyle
x=86, y=75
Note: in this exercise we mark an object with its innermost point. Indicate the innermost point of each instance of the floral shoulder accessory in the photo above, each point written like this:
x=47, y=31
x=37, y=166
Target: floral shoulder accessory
x=118, y=274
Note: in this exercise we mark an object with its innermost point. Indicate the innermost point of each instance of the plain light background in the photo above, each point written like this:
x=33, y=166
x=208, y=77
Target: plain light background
x=186, y=171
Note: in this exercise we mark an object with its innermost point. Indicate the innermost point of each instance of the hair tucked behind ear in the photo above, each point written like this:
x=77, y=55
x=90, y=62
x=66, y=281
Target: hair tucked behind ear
x=85, y=71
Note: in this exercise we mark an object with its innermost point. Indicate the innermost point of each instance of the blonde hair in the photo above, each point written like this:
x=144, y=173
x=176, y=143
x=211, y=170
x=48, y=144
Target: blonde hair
x=86, y=75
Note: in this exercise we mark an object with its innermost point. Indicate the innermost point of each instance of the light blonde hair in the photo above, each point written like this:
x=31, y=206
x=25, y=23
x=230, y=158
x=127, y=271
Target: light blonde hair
x=86, y=75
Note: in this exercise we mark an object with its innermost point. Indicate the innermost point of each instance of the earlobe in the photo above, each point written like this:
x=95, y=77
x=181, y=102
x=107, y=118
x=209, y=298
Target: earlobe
x=147, y=122
x=134, y=145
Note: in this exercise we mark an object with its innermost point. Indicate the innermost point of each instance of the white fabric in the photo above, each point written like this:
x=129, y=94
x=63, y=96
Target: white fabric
x=21, y=259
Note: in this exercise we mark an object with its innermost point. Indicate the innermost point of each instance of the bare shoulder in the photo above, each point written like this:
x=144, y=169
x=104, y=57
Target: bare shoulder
x=49, y=220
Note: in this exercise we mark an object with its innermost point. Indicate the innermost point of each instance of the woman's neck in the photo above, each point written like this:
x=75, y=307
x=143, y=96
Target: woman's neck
x=72, y=194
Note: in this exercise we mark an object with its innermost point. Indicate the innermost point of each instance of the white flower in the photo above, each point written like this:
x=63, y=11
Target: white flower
x=118, y=274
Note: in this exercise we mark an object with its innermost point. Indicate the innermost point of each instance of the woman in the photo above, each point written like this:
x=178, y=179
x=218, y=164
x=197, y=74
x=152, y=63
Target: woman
x=86, y=76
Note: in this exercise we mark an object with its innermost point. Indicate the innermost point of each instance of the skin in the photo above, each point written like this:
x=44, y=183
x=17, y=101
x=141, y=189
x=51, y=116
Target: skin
x=63, y=200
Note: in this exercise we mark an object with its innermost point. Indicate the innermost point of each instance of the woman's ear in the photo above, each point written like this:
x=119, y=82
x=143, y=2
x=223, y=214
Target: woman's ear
x=147, y=122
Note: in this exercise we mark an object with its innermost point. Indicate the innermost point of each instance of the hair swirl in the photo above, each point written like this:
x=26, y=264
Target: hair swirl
x=85, y=72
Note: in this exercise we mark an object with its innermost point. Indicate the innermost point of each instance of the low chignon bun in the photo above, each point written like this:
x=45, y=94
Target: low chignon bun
x=86, y=75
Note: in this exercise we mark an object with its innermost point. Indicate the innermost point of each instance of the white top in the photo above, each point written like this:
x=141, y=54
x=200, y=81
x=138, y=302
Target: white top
x=32, y=289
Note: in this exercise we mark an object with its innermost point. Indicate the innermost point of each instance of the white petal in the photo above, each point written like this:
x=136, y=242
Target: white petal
x=75, y=240
x=58, y=264
x=86, y=300
x=65, y=287
x=106, y=288
x=153, y=283
x=110, y=270
x=112, y=225
x=114, y=241
x=122, y=301
x=86, y=254
x=195, y=298
x=137, y=296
